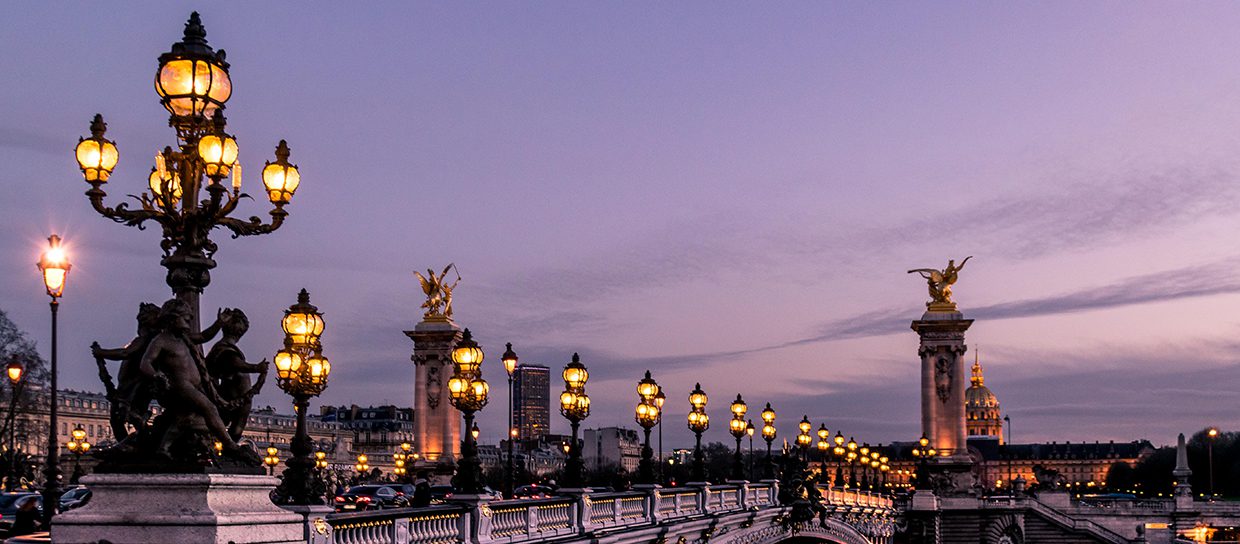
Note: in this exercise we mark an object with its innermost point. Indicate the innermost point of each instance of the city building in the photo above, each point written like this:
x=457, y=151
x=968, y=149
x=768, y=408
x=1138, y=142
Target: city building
x=611, y=447
x=982, y=415
x=531, y=401
x=268, y=428
x=378, y=431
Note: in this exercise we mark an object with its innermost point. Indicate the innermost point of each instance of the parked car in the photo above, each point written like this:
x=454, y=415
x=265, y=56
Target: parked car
x=74, y=498
x=10, y=503
x=440, y=493
x=533, y=491
x=370, y=497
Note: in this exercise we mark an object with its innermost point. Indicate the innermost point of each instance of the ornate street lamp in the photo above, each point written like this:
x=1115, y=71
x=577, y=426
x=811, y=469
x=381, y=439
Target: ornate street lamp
x=399, y=460
x=922, y=452
x=839, y=452
x=78, y=444
x=362, y=467
x=54, y=267
x=749, y=430
x=850, y=455
x=320, y=460
x=510, y=360
x=271, y=459
x=468, y=392
x=15, y=371
x=193, y=84
x=698, y=423
x=659, y=399
x=768, y=434
x=302, y=372
x=824, y=446
x=574, y=406
x=803, y=439
x=864, y=460
x=736, y=426
x=647, y=415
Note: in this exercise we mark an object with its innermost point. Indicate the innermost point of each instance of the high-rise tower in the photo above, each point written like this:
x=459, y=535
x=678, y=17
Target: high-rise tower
x=531, y=401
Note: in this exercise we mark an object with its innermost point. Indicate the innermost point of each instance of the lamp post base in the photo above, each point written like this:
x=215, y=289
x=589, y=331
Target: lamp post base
x=200, y=508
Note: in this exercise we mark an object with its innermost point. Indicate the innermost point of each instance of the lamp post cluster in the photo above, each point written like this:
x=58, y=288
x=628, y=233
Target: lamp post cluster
x=77, y=445
x=362, y=467
x=574, y=406
x=272, y=458
x=647, y=414
x=302, y=372
x=922, y=452
x=768, y=434
x=698, y=423
x=468, y=393
x=401, y=460
x=737, y=426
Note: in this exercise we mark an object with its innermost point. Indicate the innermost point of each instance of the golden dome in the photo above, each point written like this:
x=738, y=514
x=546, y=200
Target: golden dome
x=982, y=414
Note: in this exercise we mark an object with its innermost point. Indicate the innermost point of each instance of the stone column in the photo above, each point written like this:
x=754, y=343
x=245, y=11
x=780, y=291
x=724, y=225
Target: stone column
x=943, y=379
x=437, y=424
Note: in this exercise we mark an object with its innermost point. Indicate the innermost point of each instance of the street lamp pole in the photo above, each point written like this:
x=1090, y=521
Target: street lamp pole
x=510, y=365
x=574, y=406
x=1210, y=436
x=698, y=423
x=14, y=370
x=647, y=415
x=768, y=434
x=54, y=266
x=659, y=399
x=749, y=430
x=737, y=427
x=302, y=372
x=468, y=393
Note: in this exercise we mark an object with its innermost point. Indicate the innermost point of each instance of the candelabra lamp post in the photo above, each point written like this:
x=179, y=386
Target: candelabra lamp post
x=884, y=468
x=575, y=407
x=469, y=393
x=804, y=440
x=839, y=452
x=54, y=267
x=510, y=361
x=824, y=451
x=874, y=464
x=320, y=460
x=647, y=415
x=659, y=399
x=193, y=84
x=302, y=372
x=78, y=445
x=851, y=456
x=271, y=459
x=737, y=427
x=749, y=431
x=863, y=460
x=362, y=467
x=399, y=470
x=768, y=434
x=922, y=452
x=698, y=423
x=14, y=371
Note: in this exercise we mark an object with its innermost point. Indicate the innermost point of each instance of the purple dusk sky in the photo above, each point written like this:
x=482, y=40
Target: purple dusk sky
x=724, y=193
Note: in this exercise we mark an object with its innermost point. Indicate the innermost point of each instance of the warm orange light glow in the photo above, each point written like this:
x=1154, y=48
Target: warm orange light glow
x=54, y=264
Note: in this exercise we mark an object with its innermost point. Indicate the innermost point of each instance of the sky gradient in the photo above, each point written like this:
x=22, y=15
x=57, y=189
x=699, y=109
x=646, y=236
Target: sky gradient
x=715, y=192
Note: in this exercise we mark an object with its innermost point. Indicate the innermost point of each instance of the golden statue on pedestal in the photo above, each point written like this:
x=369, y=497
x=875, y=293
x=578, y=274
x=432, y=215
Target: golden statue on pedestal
x=940, y=284
x=438, y=293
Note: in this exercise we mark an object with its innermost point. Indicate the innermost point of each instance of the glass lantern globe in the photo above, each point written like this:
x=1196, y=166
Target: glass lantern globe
x=14, y=370
x=303, y=323
x=165, y=189
x=467, y=355
x=575, y=374
x=54, y=265
x=96, y=156
x=739, y=408
x=218, y=151
x=647, y=388
x=509, y=358
x=281, y=178
x=823, y=433
x=192, y=79
x=805, y=425
x=768, y=414
x=697, y=397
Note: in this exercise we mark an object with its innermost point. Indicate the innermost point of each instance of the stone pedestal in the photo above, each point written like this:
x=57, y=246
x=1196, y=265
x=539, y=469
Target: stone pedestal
x=179, y=508
x=943, y=380
x=437, y=427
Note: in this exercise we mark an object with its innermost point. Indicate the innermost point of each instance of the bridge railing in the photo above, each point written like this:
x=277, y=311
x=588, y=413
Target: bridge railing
x=531, y=520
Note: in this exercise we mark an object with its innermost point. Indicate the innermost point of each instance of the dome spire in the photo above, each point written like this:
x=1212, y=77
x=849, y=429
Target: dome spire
x=977, y=378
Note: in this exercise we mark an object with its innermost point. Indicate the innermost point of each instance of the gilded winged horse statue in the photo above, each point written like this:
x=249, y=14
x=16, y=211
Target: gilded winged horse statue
x=438, y=293
x=941, y=281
